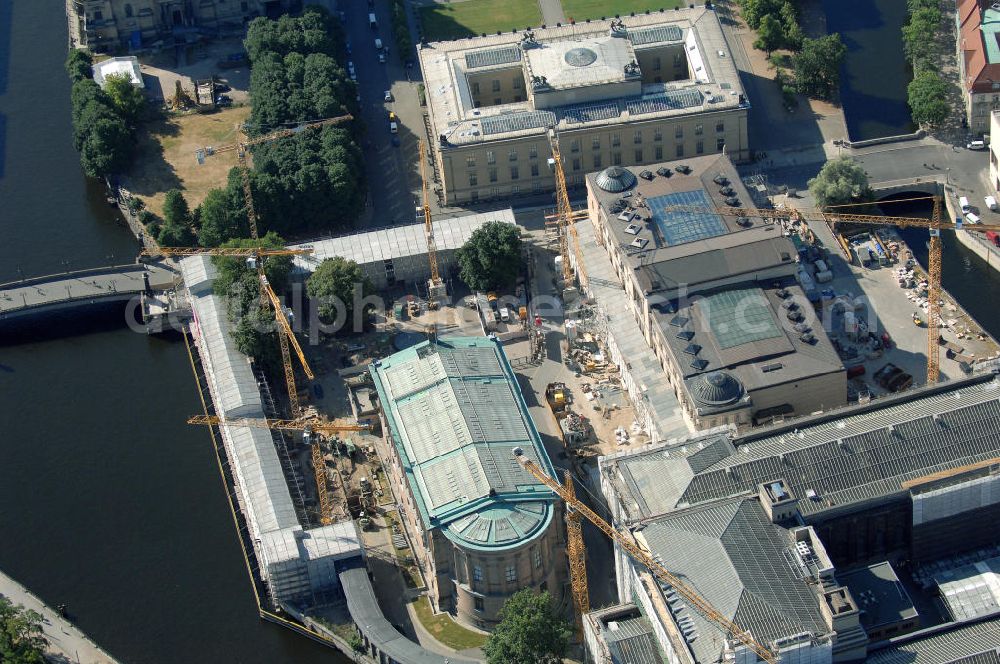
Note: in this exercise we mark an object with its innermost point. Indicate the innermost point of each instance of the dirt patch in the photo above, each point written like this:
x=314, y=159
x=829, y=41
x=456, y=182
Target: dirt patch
x=166, y=160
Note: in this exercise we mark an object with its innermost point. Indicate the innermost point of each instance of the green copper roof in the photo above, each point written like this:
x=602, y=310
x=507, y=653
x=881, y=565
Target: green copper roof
x=455, y=414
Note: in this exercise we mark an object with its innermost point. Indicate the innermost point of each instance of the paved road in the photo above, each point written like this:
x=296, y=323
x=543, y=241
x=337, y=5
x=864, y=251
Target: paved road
x=393, y=178
x=66, y=642
x=100, y=283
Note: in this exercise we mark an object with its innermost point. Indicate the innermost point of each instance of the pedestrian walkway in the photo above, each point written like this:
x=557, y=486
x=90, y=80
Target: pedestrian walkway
x=66, y=642
x=552, y=12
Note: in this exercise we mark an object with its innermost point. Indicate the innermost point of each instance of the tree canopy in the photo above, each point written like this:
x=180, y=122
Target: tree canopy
x=770, y=34
x=310, y=181
x=529, y=632
x=841, y=180
x=817, y=65
x=101, y=133
x=127, y=98
x=491, y=257
x=927, y=95
x=253, y=323
x=79, y=65
x=337, y=281
x=21, y=640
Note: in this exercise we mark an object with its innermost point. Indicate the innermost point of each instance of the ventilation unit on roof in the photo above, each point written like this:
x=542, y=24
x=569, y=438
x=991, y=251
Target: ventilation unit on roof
x=632, y=229
x=639, y=243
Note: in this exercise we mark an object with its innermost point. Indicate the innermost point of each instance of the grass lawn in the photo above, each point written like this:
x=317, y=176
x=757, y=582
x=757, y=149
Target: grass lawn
x=446, y=630
x=581, y=10
x=474, y=17
x=165, y=159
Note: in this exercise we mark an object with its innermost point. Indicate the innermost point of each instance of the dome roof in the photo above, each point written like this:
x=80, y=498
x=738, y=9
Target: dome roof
x=717, y=388
x=615, y=179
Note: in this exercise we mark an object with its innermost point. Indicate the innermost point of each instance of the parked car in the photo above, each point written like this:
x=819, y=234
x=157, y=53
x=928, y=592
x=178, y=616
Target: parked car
x=223, y=100
x=388, y=95
x=351, y=72
x=976, y=145
x=381, y=58
x=222, y=87
x=395, y=141
x=378, y=43
x=393, y=128
x=991, y=203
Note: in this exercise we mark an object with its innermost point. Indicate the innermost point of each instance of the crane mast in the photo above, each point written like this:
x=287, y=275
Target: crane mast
x=693, y=599
x=577, y=555
x=435, y=286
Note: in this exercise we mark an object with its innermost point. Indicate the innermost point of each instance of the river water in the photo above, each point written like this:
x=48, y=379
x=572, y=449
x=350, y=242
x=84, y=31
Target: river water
x=875, y=73
x=109, y=502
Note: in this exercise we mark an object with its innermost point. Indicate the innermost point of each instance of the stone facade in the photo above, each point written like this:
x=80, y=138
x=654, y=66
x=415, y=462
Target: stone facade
x=110, y=25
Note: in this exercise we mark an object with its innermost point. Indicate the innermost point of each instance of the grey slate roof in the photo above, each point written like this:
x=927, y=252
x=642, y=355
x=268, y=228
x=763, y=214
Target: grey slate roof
x=734, y=557
x=972, y=643
x=367, y=615
x=632, y=642
x=846, y=456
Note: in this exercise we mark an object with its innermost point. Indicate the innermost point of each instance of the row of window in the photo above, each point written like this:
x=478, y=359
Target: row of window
x=576, y=163
x=518, y=84
x=574, y=146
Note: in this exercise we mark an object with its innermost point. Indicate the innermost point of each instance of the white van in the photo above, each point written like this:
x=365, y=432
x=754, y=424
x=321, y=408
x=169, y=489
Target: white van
x=378, y=44
x=505, y=314
x=976, y=145
x=991, y=203
x=971, y=218
x=964, y=202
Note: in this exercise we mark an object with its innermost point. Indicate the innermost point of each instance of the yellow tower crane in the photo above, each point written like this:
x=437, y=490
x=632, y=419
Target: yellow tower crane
x=934, y=225
x=694, y=600
x=565, y=217
x=286, y=335
x=577, y=555
x=268, y=296
x=435, y=286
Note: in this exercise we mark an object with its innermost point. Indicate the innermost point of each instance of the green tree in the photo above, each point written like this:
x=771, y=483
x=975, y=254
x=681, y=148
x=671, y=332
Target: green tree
x=491, y=257
x=927, y=95
x=841, y=180
x=107, y=148
x=754, y=11
x=21, y=640
x=792, y=31
x=918, y=35
x=530, y=632
x=337, y=280
x=222, y=214
x=233, y=270
x=817, y=65
x=254, y=334
x=79, y=65
x=770, y=34
x=127, y=98
x=175, y=235
x=175, y=208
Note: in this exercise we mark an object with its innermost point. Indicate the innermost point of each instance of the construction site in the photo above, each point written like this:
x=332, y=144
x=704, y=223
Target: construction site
x=457, y=420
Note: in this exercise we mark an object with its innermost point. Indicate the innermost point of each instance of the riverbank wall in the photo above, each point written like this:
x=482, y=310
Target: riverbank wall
x=65, y=642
